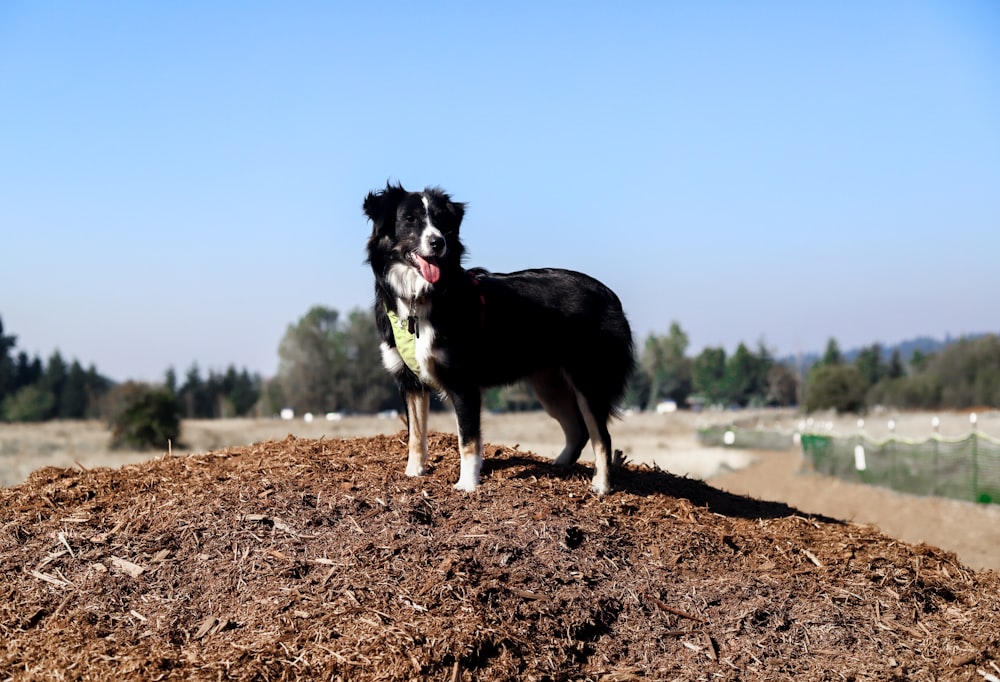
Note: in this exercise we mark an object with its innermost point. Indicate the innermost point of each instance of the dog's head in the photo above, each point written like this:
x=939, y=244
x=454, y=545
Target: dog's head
x=414, y=241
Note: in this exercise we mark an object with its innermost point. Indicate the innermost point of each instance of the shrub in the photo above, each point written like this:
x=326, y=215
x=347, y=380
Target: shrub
x=840, y=387
x=31, y=403
x=146, y=418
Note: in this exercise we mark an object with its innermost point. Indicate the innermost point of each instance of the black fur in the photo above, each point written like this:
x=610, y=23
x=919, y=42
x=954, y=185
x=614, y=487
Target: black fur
x=562, y=331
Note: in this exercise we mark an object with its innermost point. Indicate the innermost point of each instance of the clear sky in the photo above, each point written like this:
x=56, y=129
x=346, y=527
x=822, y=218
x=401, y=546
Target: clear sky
x=179, y=181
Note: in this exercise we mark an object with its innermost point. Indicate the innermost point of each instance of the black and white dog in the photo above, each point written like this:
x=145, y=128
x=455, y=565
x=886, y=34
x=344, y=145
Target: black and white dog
x=454, y=331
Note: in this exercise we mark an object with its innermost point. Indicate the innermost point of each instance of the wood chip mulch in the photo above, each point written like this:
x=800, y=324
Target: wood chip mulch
x=319, y=560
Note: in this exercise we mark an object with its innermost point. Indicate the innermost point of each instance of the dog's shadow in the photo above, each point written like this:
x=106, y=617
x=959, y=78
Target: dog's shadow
x=647, y=481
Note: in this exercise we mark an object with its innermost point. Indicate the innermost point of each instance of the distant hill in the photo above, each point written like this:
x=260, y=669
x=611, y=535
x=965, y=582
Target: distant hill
x=925, y=344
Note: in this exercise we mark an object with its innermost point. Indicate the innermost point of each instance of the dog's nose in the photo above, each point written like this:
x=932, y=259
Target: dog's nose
x=436, y=242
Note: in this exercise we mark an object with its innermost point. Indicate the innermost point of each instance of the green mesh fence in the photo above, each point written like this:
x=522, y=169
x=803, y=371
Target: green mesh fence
x=960, y=468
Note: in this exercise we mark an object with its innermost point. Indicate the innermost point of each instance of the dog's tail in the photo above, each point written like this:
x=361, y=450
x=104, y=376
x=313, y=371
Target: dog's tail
x=620, y=359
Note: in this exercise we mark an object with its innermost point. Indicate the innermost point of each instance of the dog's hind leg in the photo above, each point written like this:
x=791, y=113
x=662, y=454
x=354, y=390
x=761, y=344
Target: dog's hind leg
x=417, y=404
x=559, y=400
x=596, y=415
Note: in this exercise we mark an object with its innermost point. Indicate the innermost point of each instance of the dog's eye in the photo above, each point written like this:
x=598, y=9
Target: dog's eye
x=410, y=218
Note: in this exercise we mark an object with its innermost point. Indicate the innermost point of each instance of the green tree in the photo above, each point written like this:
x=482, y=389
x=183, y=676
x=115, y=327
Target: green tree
x=272, y=399
x=669, y=369
x=33, y=403
x=7, y=367
x=170, y=380
x=895, y=370
x=97, y=388
x=367, y=387
x=919, y=360
x=28, y=370
x=195, y=398
x=332, y=364
x=307, y=359
x=244, y=391
x=636, y=392
x=149, y=417
x=962, y=375
x=709, y=375
x=54, y=381
x=968, y=372
x=832, y=355
x=869, y=363
x=745, y=378
x=73, y=402
x=839, y=387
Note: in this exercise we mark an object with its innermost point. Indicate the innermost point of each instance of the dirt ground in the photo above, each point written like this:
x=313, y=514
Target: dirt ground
x=308, y=558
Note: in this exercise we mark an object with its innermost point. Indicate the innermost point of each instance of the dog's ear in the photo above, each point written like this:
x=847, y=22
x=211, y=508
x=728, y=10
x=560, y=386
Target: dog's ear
x=380, y=205
x=457, y=208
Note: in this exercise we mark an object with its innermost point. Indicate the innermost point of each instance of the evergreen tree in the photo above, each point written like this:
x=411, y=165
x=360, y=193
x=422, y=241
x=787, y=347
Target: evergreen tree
x=170, y=380
x=895, y=369
x=29, y=370
x=245, y=392
x=54, y=382
x=832, y=356
x=73, y=400
x=7, y=367
x=743, y=378
x=709, y=375
x=97, y=388
x=195, y=400
x=669, y=370
x=869, y=363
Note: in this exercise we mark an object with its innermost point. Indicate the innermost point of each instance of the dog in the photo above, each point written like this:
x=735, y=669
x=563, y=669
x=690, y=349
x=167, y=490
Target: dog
x=455, y=331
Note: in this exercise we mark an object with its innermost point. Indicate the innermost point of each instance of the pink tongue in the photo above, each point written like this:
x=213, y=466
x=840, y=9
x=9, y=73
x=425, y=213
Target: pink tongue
x=429, y=271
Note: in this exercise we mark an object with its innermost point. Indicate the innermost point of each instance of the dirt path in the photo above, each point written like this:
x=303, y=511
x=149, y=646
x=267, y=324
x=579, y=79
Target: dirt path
x=971, y=531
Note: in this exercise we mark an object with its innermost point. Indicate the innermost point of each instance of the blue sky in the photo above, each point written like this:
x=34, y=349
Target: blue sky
x=179, y=181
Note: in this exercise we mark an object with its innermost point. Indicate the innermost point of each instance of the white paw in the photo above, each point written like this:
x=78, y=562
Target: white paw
x=466, y=486
x=600, y=487
x=416, y=470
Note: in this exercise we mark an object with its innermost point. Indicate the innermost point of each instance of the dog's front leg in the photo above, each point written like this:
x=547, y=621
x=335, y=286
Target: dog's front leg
x=416, y=421
x=470, y=440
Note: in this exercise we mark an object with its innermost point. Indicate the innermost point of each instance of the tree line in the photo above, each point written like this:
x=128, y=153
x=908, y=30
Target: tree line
x=32, y=390
x=747, y=378
x=330, y=362
x=963, y=374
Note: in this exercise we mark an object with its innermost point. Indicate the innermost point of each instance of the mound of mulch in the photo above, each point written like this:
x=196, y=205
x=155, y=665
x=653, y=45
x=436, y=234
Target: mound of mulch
x=306, y=559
